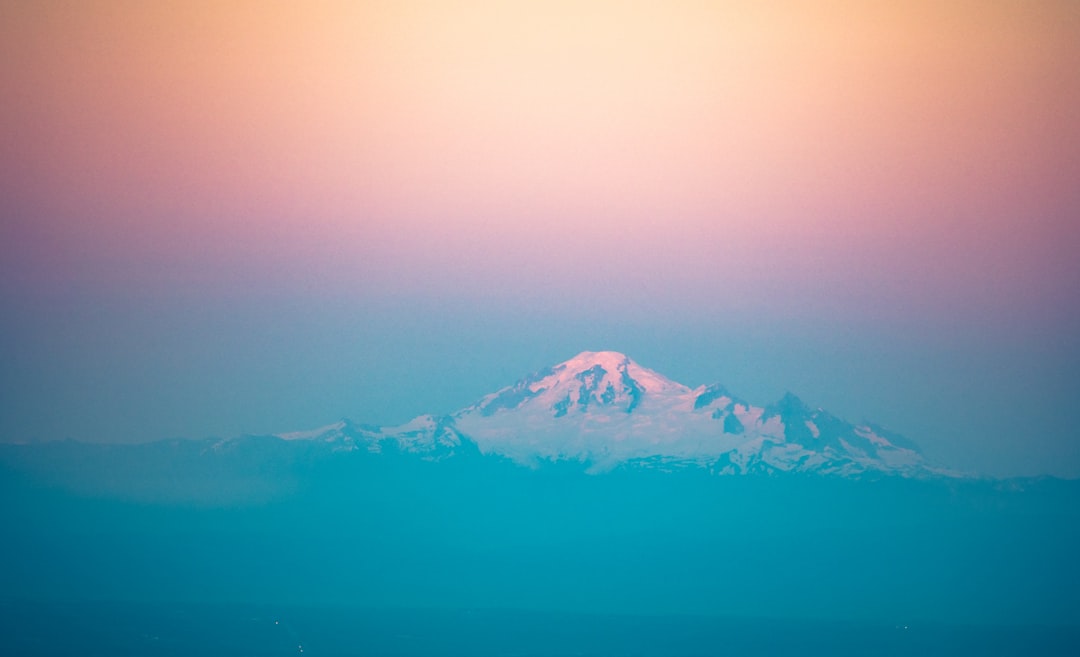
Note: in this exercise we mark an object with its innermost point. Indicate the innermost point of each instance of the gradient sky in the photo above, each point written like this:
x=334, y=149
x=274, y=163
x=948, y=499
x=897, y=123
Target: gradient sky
x=219, y=218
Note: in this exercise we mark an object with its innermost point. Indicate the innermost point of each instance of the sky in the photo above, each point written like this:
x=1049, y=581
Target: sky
x=252, y=217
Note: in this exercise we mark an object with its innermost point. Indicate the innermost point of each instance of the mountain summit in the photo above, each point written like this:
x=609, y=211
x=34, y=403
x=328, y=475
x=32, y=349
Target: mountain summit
x=592, y=379
x=605, y=410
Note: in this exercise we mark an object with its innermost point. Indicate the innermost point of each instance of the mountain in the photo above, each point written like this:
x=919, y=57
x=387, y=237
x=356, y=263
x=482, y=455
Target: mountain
x=604, y=410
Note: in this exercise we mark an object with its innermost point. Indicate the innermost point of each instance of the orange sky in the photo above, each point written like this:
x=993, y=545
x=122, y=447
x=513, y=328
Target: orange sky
x=500, y=128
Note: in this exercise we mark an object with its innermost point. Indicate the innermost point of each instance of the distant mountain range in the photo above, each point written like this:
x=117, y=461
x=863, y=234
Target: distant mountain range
x=605, y=411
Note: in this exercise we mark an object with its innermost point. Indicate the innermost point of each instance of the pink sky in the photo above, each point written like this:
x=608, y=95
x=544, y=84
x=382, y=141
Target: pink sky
x=890, y=147
x=814, y=174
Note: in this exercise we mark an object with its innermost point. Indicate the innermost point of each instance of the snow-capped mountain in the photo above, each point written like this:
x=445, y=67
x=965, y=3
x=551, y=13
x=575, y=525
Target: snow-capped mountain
x=605, y=410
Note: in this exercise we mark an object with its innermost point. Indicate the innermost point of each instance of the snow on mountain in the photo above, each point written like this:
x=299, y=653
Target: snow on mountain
x=605, y=410
x=598, y=407
x=431, y=437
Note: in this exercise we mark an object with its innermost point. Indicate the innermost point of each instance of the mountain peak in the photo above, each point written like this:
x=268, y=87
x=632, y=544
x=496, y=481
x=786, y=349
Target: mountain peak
x=788, y=406
x=609, y=360
x=590, y=381
x=616, y=364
